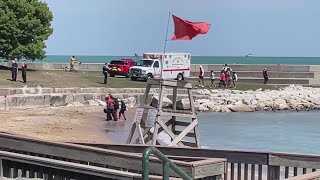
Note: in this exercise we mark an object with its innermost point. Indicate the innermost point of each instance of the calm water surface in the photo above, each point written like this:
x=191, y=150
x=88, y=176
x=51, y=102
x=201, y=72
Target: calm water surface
x=297, y=132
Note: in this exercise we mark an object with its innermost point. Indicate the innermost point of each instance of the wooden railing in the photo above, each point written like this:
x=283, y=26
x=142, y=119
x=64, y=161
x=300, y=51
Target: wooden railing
x=309, y=176
x=244, y=165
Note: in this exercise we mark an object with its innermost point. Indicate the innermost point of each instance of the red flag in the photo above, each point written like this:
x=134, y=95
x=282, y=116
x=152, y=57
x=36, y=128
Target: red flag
x=186, y=30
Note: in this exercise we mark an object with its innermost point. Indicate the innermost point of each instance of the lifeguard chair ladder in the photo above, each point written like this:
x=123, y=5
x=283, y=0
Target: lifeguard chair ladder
x=152, y=120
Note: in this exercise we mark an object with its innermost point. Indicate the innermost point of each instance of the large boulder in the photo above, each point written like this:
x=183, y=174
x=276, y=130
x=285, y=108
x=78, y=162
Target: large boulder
x=77, y=104
x=203, y=108
x=203, y=92
x=280, y=104
x=224, y=109
x=101, y=103
x=130, y=102
x=166, y=102
x=91, y=103
x=241, y=108
x=183, y=104
x=212, y=106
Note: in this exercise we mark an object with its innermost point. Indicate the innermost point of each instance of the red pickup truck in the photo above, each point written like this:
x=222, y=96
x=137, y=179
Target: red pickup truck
x=121, y=67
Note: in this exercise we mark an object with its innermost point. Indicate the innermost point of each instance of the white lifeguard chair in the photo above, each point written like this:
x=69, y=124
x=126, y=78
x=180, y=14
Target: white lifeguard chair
x=180, y=125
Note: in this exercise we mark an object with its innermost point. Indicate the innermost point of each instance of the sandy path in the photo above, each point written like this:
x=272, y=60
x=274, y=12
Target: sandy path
x=75, y=124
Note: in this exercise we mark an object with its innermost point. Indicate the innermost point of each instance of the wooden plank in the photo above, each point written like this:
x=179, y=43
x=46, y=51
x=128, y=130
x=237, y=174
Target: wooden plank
x=183, y=133
x=188, y=135
x=209, y=170
x=177, y=114
x=308, y=176
x=295, y=171
x=133, y=129
x=197, y=133
x=295, y=161
x=273, y=172
x=181, y=123
x=174, y=107
x=286, y=172
x=259, y=172
x=245, y=157
x=239, y=171
x=144, y=133
x=232, y=171
x=304, y=171
x=190, y=144
x=253, y=171
x=141, y=136
x=155, y=133
x=178, y=111
x=168, y=124
x=68, y=166
x=145, y=97
x=245, y=172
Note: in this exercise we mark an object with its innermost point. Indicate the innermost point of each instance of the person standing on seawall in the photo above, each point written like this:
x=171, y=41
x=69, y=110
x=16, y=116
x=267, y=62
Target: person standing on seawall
x=73, y=61
x=24, y=68
x=201, y=76
x=14, y=69
x=105, y=71
x=265, y=75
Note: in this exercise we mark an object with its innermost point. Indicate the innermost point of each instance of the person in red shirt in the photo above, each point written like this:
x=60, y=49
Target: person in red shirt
x=110, y=109
x=222, y=79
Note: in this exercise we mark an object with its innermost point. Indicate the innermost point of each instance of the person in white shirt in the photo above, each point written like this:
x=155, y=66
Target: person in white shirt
x=212, y=78
x=234, y=79
x=225, y=67
x=201, y=75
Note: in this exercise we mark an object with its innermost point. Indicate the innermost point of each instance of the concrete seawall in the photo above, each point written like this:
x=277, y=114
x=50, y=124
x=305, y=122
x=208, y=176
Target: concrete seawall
x=15, y=98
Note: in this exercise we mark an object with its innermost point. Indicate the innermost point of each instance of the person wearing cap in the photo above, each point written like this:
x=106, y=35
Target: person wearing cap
x=105, y=70
x=265, y=75
x=14, y=69
x=201, y=74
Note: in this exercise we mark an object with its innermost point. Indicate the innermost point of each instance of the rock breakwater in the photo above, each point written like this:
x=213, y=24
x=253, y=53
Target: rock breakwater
x=293, y=97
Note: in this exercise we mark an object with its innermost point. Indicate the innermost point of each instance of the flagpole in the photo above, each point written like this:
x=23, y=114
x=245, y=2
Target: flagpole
x=165, y=46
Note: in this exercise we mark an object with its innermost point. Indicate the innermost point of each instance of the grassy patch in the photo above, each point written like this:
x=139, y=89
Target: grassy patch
x=90, y=79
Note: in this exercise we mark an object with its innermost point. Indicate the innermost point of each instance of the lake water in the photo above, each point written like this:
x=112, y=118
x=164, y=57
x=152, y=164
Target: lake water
x=296, y=132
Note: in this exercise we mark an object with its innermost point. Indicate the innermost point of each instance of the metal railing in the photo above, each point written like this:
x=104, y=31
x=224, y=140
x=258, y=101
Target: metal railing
x=167, y=165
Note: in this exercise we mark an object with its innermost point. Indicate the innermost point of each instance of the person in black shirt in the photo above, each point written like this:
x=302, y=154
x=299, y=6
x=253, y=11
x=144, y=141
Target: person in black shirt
x=122, y=110
x=14, y=70
x=24, y=68
x=105, y=70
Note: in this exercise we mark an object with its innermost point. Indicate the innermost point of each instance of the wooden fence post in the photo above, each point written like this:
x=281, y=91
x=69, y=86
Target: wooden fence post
x=273, y=172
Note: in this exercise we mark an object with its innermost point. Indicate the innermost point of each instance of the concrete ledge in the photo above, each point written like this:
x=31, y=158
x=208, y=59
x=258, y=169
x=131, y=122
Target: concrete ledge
x=194, y=67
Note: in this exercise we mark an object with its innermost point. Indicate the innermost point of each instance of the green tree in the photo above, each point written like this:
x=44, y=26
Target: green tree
x=25, y=25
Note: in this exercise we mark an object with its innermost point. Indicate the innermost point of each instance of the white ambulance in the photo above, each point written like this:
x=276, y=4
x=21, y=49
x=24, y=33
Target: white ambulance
x=175, y=66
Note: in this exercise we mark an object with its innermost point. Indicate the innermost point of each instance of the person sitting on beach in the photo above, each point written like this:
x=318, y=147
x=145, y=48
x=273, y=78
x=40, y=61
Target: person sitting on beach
x=212, y=78
x=234, y=79
x=222, y=79
x=201, y=74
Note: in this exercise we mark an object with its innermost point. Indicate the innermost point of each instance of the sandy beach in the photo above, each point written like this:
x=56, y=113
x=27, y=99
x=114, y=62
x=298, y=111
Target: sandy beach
x=74, y=124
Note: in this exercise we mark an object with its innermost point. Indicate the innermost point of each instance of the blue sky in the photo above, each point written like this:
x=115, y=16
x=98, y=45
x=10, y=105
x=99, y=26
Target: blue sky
x=238, y=27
